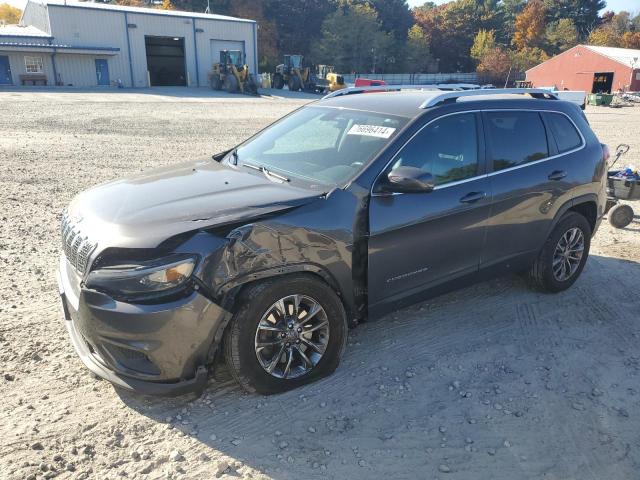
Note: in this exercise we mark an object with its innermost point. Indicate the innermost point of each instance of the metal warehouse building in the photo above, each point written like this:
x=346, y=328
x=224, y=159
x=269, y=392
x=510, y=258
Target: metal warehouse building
x=89, y=44
x=590, y=68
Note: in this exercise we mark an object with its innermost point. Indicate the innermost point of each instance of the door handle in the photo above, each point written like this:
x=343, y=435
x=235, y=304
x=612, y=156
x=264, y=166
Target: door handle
x=473, y=197
x=557, y=175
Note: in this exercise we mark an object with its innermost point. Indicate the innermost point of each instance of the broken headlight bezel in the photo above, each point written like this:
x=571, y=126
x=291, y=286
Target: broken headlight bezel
x=144, y=280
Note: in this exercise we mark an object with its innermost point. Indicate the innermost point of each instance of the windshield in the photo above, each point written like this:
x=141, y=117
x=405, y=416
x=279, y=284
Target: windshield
x=320, y=144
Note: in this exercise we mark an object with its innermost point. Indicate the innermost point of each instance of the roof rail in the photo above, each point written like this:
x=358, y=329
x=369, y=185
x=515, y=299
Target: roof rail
x=379, y=88
x=453, y=96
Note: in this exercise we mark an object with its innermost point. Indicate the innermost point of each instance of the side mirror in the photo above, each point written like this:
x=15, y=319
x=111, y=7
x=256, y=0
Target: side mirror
x=409, y=180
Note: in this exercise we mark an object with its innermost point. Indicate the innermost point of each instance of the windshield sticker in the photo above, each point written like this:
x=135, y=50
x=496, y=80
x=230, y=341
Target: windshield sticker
x=371, y=131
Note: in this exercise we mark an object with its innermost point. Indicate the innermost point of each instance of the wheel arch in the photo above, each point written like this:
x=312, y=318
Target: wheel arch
x=585, y=205
x=233, y=292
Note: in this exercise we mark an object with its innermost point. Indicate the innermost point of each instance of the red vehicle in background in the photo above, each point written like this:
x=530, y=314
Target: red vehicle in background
x=366, y=82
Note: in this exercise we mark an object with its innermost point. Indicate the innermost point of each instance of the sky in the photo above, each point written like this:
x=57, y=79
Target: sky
x=615, y=5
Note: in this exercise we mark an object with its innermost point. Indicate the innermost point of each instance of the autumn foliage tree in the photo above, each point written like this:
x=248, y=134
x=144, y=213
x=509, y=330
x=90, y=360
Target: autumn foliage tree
x=494, y=66
x=8, y=14
x=530, y=25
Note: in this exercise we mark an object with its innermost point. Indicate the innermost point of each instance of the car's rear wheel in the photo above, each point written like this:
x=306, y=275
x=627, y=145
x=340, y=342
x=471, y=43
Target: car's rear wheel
x=564, y=254
x=286, y=333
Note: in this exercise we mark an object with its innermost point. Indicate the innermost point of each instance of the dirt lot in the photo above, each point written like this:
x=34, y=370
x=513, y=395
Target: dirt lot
x=494, y=381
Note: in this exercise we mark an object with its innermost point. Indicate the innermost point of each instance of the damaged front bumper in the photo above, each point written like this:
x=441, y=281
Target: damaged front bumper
x=155, y=349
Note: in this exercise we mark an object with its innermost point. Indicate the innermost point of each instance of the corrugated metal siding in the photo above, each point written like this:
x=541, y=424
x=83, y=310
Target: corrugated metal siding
x=220, y=30
x=90, y=27
x=16, y=62
x=154, y=25
x=36, y=14
x=83, y=69
x=85, y=27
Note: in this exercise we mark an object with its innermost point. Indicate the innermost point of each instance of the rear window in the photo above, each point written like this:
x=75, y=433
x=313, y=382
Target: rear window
x=516, y=138
x=564, y=131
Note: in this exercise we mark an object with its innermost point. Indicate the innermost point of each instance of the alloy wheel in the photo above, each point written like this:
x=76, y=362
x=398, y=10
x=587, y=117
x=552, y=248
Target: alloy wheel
x=568, y=254
x=292, y=336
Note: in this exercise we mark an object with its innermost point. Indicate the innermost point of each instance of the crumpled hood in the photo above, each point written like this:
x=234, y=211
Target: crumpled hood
x=146, y=209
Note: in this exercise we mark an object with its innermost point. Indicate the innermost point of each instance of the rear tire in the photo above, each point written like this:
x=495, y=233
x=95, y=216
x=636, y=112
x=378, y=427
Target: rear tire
x=258, y=322
x=621, y=215
x=252, y=86
x=564, y=254
x=278, y=81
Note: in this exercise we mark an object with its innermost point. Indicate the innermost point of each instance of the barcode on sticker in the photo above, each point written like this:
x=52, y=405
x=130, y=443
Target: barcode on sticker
x=371, y=131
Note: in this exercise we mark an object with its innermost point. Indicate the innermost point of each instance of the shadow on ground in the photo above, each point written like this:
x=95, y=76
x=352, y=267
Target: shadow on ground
x=495, y=380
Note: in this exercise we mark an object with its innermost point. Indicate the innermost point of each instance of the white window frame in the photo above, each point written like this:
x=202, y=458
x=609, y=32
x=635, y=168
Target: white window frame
x=33, y=64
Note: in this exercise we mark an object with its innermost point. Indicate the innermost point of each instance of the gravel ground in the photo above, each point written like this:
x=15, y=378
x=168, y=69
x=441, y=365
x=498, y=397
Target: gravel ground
x=493, y=381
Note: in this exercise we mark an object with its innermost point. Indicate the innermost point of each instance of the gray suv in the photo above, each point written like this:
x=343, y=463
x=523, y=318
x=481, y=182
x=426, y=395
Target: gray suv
x=352, y=206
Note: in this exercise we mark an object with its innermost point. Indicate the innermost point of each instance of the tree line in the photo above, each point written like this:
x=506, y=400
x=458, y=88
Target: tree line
x=386, y=36
x=490, y=36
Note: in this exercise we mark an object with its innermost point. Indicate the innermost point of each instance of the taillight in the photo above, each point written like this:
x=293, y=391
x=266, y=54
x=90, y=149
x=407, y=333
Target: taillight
x=606, y=154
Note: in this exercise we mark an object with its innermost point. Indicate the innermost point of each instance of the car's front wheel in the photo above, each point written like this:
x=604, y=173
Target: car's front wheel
x=286, y=332
x=564, y=254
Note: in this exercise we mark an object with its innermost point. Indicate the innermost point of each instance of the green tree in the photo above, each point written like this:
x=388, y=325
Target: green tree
x=298, y=23
x=418, y=55
x=353, y=40
x=451, y=29
x=561, y=36
x=511, y=9
x=484, y=41
x=584, y=13
x=394, y=16
x=267, y=31
x=10, y=15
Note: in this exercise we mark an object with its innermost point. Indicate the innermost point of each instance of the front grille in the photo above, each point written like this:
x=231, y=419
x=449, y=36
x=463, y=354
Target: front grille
x=76, y=247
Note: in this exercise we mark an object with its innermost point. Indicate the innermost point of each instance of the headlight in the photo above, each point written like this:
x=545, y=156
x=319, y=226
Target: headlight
x=145, y=278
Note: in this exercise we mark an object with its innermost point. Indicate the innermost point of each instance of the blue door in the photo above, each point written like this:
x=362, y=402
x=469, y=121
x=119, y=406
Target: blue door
x=5, y=71
x=102, y=71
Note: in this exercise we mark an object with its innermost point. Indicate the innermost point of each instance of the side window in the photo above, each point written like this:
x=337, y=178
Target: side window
x=516, y=138
x=565, y=133
x=446, y=148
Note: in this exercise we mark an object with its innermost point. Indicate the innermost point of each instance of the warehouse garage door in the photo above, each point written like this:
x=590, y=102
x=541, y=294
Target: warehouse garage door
x=165, y=61
x=218, y=45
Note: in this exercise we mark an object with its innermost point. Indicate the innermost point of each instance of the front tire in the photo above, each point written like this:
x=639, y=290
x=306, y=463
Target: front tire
x=564, y=254
x=294, y=83
x=231, y=83
x=287, y=332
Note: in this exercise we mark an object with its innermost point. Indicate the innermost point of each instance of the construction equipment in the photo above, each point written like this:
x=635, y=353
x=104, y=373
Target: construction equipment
x=293, y=74
x=232, y=74
x=326, y=80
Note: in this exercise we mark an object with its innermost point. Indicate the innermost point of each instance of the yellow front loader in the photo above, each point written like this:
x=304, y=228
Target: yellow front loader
x=292, y=74
x=327, y=80
x=232, y=74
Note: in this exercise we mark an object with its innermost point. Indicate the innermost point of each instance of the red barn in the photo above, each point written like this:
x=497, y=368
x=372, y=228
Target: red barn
x=589, y=68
